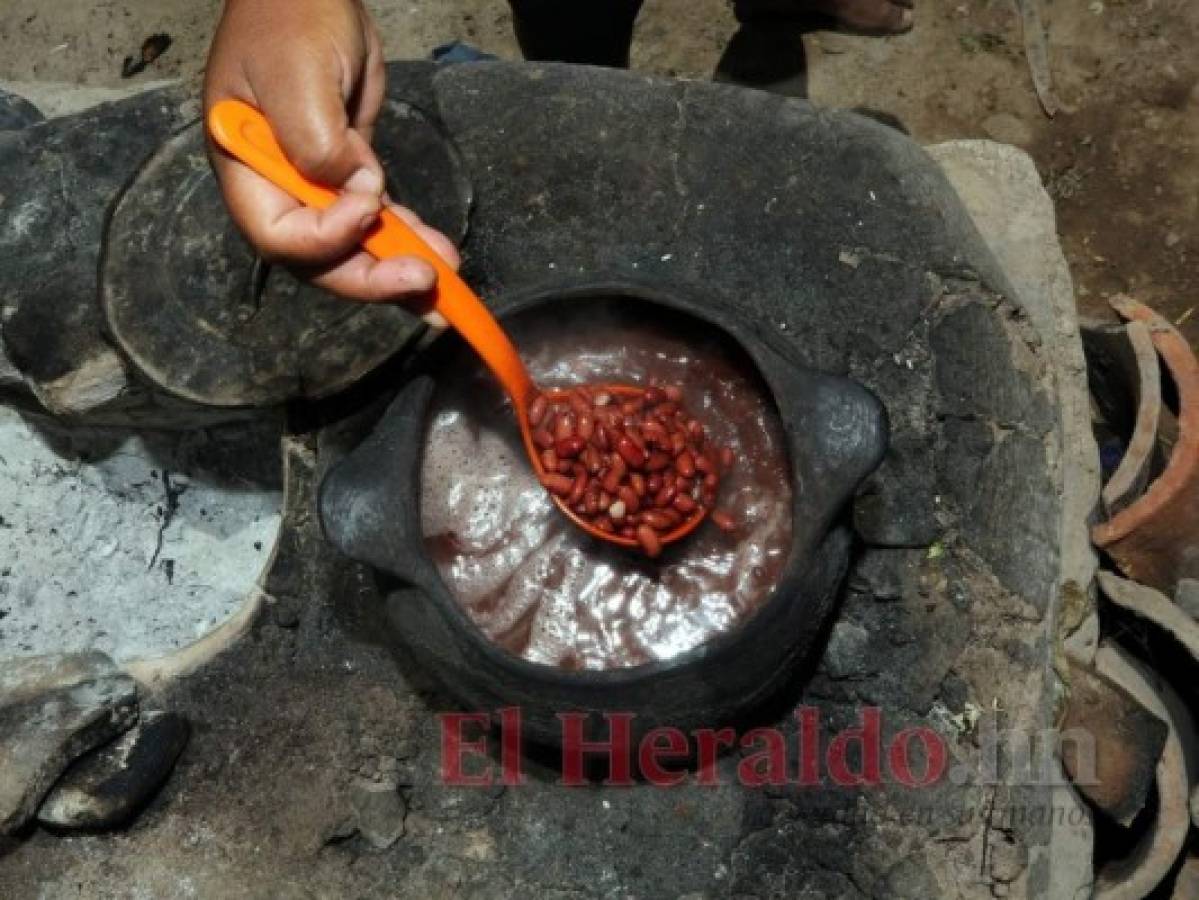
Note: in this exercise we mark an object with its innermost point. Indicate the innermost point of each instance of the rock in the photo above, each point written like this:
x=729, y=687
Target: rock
x=1008, y=857
x=379, y=811
x=847, y=655
x=909, y=877
x=109, y=785
x=52, y=710
x=16, y=112
x=1007, y=129
x=883, y=573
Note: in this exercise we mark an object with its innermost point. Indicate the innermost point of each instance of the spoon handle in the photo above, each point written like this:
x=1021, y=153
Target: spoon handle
x=244, y=133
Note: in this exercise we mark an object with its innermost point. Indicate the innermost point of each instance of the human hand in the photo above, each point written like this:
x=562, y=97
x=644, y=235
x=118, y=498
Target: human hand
x=315, y=70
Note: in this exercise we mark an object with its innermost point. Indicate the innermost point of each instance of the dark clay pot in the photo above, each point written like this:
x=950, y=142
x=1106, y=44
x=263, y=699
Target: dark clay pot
x=836, y=435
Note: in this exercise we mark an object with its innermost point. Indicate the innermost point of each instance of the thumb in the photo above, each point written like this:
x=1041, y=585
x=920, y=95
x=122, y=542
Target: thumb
x=313, y=128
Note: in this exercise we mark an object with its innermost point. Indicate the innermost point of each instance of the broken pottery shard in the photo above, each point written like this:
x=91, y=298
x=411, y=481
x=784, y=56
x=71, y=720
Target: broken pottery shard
x=52, y=710
x=1153, y=540
x=108, y=786
x=1144, y=866
x=1127, y=742
x=1123, y=371
x=1154, y=606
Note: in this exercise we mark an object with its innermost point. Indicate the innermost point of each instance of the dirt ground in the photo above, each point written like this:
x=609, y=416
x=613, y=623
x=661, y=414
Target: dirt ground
x=1121, y=158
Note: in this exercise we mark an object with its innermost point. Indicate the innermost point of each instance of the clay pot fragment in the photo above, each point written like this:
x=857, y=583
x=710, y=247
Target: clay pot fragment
x=1154, y=540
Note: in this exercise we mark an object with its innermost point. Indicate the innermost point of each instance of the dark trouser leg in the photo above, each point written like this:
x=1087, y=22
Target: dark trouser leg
x=591, y=32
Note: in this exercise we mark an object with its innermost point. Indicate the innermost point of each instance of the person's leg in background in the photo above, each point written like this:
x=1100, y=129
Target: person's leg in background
x=589, y=32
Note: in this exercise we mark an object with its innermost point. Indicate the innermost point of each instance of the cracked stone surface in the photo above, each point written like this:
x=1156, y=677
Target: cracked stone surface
x=956, y=636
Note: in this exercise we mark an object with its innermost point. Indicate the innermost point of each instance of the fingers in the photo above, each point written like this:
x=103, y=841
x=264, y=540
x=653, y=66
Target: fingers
x=438, y=242
x=285, y=231
x=366, y=279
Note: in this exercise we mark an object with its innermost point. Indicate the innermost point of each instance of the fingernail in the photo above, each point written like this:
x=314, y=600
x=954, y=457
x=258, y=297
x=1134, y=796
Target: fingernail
x=365, y=181
x=367, y=223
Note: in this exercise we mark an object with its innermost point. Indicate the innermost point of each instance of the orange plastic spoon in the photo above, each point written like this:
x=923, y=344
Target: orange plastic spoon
x=244, y=133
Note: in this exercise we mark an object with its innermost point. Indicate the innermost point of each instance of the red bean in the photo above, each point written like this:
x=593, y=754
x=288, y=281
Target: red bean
x=657, y=518
x=631, y=501
x=592, y=459
x=557, y=484
x=685, y=464
x=537, y=410
x=630, y=453
x=586, y=427
x=703, y=464
x=579, y=403
x=601, y=439
x=683, y=503
x=569, y=447
x=637, y=480
x=549, y=459
x=564, y=427
x=649, y=540
x=723, y=520
x=615, y=474
x=695, y=430
x=580, y=486
x=653, y=484
x=543, y=438
x=665, y=496
x=711, y=480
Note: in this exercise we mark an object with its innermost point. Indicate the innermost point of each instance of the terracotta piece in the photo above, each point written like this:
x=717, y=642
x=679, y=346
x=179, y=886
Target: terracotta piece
x=1155, y=540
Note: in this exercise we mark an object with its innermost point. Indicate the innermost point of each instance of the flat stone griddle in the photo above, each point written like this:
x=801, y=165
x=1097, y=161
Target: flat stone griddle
x=200, y=315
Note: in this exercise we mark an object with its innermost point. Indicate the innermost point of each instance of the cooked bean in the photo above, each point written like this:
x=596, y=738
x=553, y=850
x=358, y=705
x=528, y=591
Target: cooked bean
x=637, y=480
x=683, y=503
x=649, y=540
x=564, y=426
x=630, y=453
x=723, y=520
x=537, y=410
x=569, y=447
x=685, y=464
x=557, y=484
